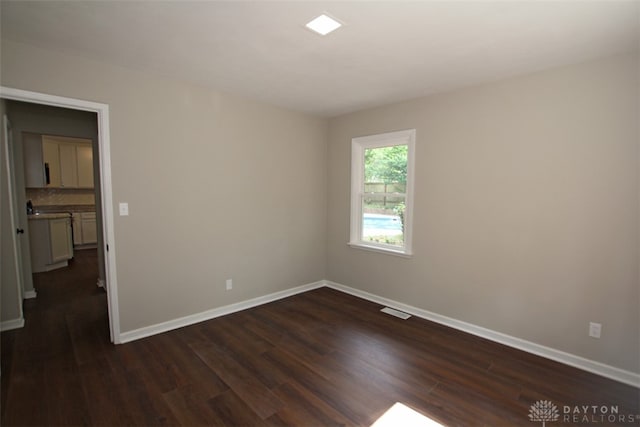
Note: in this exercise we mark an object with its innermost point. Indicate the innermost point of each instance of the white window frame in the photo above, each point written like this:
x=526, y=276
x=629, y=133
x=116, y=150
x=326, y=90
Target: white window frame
x=358, y=147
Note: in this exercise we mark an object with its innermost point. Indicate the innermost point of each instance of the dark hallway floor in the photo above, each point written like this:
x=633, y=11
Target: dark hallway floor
x=39, y=361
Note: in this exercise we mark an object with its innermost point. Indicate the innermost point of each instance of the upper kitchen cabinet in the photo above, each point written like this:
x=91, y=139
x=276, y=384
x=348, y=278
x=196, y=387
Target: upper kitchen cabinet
x=85, y=165
x=33, y=156
x=68, y=164
x=57, y=162
x=51, y=164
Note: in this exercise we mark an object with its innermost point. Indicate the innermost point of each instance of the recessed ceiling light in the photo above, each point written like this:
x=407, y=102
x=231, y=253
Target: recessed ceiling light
x=323, y=25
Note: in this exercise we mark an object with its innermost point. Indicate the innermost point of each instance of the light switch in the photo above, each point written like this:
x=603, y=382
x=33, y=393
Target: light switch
x=124, y=209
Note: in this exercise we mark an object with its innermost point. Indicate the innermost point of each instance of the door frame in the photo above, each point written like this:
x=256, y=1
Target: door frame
x=104, y=152
x=7, y=153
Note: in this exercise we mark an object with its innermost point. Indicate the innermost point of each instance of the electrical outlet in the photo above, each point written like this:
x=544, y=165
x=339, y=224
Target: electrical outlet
x=595, y=329
x=229, y=284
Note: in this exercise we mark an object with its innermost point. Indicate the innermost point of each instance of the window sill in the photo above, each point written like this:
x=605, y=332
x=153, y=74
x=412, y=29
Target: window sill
x=378, y=249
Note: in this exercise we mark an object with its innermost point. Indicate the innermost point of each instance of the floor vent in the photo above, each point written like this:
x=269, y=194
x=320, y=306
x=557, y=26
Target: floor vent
x=392, y=311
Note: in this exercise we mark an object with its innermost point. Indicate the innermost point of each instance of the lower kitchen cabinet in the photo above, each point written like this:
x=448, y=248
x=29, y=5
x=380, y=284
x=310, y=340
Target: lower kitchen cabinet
x=60, y=239
x=85, y=230
x=50, y=241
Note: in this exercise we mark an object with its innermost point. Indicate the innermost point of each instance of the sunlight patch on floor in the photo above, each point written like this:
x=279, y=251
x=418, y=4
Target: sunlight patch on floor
x=402, y=415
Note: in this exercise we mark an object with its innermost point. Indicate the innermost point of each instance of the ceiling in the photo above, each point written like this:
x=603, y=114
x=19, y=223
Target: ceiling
x=386, y=51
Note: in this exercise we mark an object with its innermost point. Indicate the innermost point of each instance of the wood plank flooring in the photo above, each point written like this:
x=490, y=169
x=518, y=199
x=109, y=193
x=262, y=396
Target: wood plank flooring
x=321, y=358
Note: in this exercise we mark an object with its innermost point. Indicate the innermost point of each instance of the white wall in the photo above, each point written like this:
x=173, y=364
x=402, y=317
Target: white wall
x=527, y=198
x=218, y=186
x=527, y=208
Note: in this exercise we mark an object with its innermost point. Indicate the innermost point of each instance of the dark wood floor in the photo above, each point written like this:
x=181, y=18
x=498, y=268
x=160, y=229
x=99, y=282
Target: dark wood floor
x=318, y=358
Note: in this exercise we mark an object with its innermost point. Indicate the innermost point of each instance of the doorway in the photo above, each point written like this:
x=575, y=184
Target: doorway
x=103, y=199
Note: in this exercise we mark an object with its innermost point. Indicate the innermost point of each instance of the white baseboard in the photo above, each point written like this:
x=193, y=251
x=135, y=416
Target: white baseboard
x=598, y=368
x=8, y=325
x=30, y=294
x=213, y=313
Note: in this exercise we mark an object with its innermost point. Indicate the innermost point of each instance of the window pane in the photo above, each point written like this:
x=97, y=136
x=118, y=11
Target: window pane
x=382, y=189
x=386, y=165
x=382, y=219
x=385, y=184
x=379, y=187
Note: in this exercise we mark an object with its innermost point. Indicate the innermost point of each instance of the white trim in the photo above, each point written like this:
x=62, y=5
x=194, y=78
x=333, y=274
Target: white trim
x=380, y=250
x=104, y=147
x=8, y=325
x=592, y=366
x=13, y=221
x=30, y=294
x=213, y=313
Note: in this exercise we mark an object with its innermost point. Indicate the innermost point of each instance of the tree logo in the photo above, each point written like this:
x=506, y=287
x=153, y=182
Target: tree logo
x=543, y=410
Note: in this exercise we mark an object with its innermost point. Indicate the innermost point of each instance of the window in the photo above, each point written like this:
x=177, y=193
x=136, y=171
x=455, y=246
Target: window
x=382, y=191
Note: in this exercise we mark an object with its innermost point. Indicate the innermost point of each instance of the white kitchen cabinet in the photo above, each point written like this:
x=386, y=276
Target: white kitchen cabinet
x=85, y=230
x=89, y=228
x=60, y=239
x=50, y=241
x=33, y=161
x=76, y=225
x=51, y=158
x=57, y=162
x=68, y=165
x=84, y=155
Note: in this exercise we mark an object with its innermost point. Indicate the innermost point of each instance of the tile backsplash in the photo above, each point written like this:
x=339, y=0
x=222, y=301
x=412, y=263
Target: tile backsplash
x=58, y=197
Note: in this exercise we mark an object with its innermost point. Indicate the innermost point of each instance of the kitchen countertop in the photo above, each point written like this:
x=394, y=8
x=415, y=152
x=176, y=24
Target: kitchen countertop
x=45, y=209
x=49, y=215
